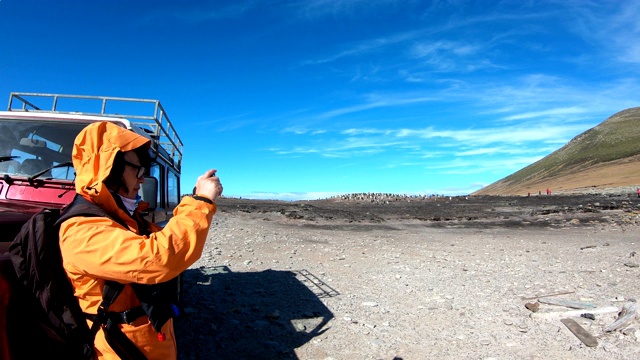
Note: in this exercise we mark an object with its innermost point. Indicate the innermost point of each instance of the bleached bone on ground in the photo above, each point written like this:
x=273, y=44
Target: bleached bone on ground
x=566, y=303
x=564, y=314
x=626, y=316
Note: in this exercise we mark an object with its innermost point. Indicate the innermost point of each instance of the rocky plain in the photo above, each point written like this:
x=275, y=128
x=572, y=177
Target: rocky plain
x=371, y=277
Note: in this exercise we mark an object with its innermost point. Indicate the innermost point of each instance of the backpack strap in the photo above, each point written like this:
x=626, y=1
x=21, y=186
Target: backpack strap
x=109, y=321
x=109, y=294
x=119, y=342
x=83, y=207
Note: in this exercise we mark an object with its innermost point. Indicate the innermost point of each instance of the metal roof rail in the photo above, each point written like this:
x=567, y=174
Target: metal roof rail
x=157, y=125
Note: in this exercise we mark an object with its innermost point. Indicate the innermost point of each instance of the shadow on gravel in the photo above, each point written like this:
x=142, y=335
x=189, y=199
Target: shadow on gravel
x=249, y=315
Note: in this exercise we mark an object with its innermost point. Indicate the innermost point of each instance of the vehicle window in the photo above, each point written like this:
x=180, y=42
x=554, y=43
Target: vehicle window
x=65, y=172
x=156, y=172
x=30, y=146
x=174, y=189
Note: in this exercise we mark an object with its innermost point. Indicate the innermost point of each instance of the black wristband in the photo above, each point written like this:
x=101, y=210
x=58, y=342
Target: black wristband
x=202, y=198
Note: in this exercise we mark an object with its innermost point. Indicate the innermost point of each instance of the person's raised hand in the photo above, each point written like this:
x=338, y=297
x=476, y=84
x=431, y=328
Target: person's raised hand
x=208, y=185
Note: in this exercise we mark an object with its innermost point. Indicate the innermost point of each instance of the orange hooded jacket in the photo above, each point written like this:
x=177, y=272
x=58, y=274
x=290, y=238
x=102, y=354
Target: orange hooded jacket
x=95, y=249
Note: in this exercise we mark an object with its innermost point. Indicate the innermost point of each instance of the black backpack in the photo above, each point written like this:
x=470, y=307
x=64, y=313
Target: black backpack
x=46, y=318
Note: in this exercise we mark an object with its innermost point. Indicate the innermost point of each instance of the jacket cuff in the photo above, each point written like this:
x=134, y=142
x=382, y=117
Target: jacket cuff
x=203, y=198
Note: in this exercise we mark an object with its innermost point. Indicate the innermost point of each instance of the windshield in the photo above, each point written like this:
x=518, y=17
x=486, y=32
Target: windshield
x=28, y=147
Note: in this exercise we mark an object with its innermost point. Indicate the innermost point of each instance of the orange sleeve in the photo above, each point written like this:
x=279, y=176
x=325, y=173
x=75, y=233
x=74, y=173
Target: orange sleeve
x=101, y=248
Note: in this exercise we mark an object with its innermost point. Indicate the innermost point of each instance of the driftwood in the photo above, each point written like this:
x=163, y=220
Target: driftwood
x=566, y=303
x=580, y=332
x=625, y=317
x=546, y=295
x=571, y=313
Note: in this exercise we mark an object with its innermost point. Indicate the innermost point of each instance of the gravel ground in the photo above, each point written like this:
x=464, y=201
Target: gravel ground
x=335, y=280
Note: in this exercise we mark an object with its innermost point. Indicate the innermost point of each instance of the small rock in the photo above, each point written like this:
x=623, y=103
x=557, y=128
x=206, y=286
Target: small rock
x=523, y=328
x=532, y=306
x=588, y=316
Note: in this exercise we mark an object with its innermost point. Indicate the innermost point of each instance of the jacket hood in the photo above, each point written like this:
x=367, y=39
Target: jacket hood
x=94, y=151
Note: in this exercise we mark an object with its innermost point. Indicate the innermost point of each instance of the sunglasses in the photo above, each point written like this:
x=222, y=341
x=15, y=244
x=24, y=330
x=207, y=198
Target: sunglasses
x=141, y=169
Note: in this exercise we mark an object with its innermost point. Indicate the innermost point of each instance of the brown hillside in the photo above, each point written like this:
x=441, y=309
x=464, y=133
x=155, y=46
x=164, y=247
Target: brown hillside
x=604, y=157
x=615, y=174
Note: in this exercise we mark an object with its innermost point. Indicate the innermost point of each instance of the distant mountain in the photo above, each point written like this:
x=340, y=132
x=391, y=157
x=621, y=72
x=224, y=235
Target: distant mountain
x=606, y=156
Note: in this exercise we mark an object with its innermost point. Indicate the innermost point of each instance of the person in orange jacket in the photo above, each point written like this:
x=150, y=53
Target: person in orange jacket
x=110, y=162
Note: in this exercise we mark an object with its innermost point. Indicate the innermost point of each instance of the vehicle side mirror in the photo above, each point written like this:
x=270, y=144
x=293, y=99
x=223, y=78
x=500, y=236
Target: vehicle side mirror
x=149, y=191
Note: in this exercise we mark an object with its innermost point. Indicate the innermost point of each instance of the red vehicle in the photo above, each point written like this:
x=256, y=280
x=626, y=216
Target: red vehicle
x=36, y=139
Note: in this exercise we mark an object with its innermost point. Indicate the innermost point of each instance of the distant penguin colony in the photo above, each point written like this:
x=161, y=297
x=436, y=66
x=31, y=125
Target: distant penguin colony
x=385, y=198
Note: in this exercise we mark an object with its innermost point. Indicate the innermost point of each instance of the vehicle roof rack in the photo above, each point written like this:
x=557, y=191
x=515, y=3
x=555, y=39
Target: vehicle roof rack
x=157, y=124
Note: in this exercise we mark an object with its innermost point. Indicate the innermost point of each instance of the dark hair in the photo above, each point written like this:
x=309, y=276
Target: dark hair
x=115, y=181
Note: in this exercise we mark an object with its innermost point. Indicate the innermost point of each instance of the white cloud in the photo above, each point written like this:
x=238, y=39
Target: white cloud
x=378, y=101
x=546, y=113
x=288, y=196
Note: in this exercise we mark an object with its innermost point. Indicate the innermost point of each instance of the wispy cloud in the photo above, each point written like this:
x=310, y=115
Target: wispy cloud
x=547, y=113
x=474, y=142
x=449, y=56
x=365, y=47
x=303, y=130
x=618, y=33
x=479, y=165
x=288, y=196
x=482, y=137
x=378, y=101
x=506, y=150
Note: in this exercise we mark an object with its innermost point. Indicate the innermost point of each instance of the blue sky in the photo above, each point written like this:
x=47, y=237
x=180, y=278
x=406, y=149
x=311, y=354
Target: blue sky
x=309, y=99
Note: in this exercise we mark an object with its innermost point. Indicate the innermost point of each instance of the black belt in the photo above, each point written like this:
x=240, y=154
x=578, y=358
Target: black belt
x=123, y=317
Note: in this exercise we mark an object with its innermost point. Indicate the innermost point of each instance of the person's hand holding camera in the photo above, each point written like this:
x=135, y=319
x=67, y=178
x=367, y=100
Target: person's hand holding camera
x=208, y=185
